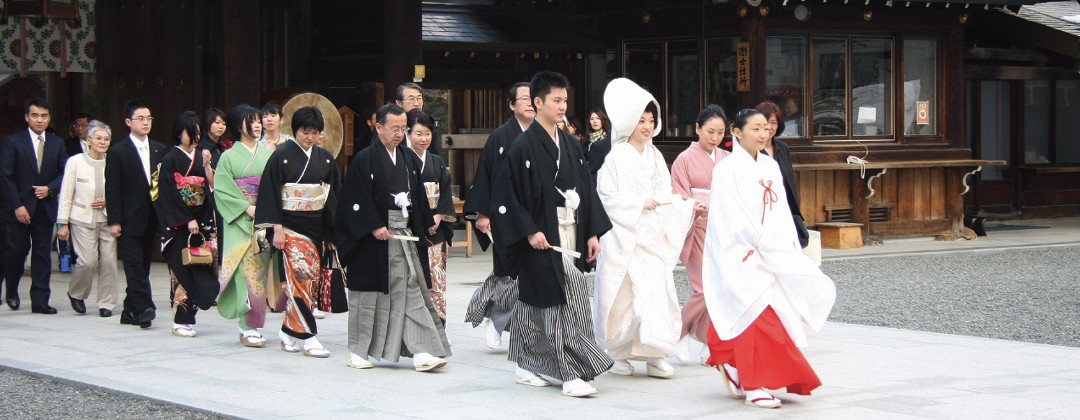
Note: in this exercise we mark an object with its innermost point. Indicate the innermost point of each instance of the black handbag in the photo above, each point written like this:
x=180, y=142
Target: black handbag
x=339, y=297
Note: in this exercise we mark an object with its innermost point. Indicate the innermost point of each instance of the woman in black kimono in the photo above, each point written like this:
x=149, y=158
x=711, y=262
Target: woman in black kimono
x=186, y=217
x=296, y=203
x=436, y=178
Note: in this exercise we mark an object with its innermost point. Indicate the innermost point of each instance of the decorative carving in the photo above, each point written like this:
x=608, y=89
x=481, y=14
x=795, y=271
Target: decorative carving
x=964, y=180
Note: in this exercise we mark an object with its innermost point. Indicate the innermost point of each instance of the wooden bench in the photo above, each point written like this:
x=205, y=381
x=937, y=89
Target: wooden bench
x=840, y=235
x=467, y=243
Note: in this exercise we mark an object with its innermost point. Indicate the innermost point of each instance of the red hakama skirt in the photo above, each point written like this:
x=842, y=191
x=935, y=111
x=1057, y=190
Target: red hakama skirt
x=765, y=357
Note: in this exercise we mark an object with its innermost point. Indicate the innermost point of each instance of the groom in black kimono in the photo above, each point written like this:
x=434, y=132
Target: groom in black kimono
x=544, y=197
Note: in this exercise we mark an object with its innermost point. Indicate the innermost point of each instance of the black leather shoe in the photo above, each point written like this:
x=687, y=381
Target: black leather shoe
x=43, y=309
x=144, y=325
x=126, y=319
x=13, y=302
x=78, y=305
x=105, y=313
x=146, y=316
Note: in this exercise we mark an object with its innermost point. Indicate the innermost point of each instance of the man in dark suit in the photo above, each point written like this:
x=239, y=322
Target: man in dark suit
x=128, y=168
x=76, y=142
x=33, y=166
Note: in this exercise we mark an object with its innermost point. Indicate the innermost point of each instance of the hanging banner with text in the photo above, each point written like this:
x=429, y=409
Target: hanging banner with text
x=743, y=72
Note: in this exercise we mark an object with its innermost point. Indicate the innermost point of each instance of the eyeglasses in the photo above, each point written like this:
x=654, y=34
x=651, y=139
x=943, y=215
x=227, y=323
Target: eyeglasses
x=522, y=99
x=142, y=119
x=397, y=130
x=414, y=99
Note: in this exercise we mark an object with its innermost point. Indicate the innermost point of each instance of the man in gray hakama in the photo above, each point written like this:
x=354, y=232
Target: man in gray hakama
x=390, y=309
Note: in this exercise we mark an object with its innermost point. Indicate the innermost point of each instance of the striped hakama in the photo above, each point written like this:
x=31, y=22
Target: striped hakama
x=559, y=341
x=495, y=300
x=404, y=321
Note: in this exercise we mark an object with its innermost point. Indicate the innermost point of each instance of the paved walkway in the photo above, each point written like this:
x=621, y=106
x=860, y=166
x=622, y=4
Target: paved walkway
x=869, y=372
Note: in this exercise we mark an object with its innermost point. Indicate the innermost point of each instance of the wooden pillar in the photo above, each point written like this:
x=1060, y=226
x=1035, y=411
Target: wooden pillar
x=402, y=42
x=954, y=202
x=241, y=75
x=952, y=78
x=860, y=206
x=754, y=33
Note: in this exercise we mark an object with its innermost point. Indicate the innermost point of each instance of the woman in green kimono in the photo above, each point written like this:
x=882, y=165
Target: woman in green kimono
x=244, y=271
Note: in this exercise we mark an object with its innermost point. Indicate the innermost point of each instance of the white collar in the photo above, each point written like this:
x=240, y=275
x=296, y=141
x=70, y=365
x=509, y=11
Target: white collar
x=33, y=135
x=137, y=140
x=306, y=152
x=393, y=154
x=251, y=149
x=189, y=155
x=712, y=155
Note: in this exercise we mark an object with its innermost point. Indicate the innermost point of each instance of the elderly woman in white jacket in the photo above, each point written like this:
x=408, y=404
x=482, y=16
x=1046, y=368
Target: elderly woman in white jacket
x=82, y=219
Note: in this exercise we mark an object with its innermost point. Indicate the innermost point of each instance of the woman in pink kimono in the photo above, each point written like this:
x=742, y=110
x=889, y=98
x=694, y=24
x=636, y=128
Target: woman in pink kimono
x=691, y=177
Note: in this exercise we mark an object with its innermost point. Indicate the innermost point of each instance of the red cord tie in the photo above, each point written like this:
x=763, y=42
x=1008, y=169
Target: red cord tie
x=748, y=254
x=768, y=197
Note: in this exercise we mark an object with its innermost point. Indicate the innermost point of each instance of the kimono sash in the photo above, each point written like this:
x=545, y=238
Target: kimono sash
x=304, y=197
x=191, y=189
x=249, y=185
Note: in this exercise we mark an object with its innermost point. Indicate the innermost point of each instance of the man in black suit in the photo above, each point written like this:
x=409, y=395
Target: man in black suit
x=76, y=142
x=128, y=168
x=33, y=167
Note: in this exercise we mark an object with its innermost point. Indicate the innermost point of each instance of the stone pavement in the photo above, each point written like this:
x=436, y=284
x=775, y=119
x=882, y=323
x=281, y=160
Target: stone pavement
x=867, y=371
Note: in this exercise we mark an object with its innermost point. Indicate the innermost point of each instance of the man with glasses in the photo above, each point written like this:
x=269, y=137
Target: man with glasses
x=77, y=142
x=129, y=168
x=493, y=302
x=390, y=309
x=410, y=96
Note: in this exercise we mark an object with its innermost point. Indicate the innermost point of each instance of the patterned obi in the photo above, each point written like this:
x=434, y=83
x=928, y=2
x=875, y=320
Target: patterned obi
x=304, y=197
x=191, y=189
x=249, y=185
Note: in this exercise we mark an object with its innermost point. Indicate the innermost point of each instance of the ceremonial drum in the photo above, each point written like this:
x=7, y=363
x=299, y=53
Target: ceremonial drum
x=333, y=133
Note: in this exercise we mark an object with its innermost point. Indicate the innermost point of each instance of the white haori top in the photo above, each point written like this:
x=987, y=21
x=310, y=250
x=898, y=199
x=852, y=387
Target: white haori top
x=752, y=254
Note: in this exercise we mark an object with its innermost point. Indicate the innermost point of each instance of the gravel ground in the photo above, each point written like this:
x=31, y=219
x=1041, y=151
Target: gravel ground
x=30, y=397
x=1030, y=295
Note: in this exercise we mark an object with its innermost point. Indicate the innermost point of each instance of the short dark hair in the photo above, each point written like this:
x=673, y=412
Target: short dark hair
x=83, y=115
x=240, y=119
x=416, y=116
x=743, y=116
x=38, y=102
x=511, y=95
x=271, y=108
x=386, y=110
x=134, y=105
x=407, y=85
x=307, y=117
x=605, y=122
x=210, y=116
x=542, y=83
x=186, y=122
x=770, y=109
x=709, y=112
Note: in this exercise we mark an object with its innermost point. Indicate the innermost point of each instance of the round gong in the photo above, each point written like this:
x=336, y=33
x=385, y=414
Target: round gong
x=332, y=131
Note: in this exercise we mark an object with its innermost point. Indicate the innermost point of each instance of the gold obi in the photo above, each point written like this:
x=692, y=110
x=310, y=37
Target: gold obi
x=304, y=197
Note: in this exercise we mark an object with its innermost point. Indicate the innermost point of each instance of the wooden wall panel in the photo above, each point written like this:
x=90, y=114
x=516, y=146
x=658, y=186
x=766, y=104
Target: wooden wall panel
x=937, y=193
x=811, y=209
x=906, y=189
x=823, y=192
x=920, y=198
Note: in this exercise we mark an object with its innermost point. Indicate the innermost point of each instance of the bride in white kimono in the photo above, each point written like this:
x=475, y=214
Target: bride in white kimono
x=760, y=289
x=637, y=314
